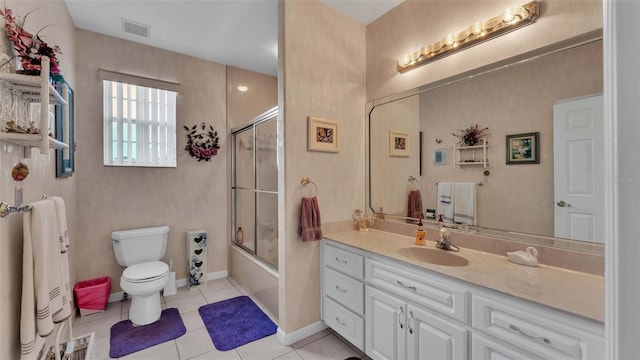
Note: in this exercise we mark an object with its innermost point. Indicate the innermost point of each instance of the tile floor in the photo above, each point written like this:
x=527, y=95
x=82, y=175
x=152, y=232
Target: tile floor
x=196, y=343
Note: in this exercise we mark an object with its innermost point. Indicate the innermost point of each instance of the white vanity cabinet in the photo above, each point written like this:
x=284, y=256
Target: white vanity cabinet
x=413, y=315
x=343, y=292
x=532, y=329
x=393, y=310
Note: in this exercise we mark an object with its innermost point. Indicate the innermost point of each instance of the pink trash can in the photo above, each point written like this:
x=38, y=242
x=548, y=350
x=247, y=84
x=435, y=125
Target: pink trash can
x=92, y=295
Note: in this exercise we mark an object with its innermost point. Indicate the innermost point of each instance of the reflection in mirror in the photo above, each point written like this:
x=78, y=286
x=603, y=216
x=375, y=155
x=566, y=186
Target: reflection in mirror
x=516, y=99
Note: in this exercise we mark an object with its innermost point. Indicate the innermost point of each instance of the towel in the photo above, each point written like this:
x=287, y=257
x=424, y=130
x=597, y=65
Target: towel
x=45, y=295
x=310, y=227
x=446, y=200
x=415, y=205
x=464, y=209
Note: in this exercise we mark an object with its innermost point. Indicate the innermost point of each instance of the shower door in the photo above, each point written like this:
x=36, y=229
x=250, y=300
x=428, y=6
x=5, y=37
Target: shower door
x=255, y=188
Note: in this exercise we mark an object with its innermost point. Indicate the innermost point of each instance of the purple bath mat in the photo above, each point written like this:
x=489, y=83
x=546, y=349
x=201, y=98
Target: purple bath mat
x=235, y=322
x=127, y=339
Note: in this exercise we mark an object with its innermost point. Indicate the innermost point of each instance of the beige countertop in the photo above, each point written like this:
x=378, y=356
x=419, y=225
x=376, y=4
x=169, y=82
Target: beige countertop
x=574, y=292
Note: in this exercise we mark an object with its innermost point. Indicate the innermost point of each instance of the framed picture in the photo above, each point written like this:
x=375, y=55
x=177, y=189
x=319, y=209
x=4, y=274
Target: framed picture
x=398, y=143
x=523, y=149
x=323, y=135
x=438, y=157
x=65, y=158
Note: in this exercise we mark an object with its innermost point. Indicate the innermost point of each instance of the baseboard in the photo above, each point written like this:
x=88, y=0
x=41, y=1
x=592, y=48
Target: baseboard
x=115, y=297
x=303, y=333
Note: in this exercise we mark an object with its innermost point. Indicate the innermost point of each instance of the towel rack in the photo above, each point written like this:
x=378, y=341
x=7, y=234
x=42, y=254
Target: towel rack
x=6, y=209
x=481, y=183
x=306, y=181
x=413, y=180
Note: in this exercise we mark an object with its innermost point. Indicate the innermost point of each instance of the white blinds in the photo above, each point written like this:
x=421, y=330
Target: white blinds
x=139, y=125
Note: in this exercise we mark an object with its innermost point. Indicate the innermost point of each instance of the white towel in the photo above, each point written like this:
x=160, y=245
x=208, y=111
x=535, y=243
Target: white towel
x=446, y=200
x=43, y=284
x=464, y=209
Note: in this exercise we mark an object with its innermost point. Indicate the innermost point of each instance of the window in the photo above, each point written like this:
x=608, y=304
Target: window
x=139, y=125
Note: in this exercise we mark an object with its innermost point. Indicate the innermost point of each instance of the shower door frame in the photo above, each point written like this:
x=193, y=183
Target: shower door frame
x=271, y=114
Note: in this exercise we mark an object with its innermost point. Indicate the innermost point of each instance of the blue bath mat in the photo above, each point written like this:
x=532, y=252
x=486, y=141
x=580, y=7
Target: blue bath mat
x=235, y=322
x=127, y=339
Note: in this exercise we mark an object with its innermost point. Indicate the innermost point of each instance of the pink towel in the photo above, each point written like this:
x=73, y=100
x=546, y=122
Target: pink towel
x=415, y=205
x=310, y=227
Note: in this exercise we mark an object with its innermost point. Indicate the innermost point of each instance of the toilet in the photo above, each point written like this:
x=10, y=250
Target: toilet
x=140, y=251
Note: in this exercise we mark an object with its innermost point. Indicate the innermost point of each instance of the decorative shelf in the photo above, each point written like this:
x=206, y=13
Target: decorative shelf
x=472, y=155
x=36, y=89
x=31, y=140
x=30, y=86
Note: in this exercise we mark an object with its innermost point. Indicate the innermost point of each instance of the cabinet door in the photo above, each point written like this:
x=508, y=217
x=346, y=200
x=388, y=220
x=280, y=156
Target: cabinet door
x=432, y=337
x=385, y=325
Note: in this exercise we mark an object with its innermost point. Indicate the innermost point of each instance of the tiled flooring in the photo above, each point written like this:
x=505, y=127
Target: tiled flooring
x=196, y=343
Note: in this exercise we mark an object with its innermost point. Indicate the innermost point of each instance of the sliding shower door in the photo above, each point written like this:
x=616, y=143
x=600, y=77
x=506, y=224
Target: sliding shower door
x=255, y=188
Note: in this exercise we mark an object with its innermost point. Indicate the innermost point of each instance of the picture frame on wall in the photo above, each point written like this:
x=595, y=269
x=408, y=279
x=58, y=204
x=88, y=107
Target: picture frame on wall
x=438, y=157
x=65, y=158
x=322, y=135
x=398, y=143
x=523, y=148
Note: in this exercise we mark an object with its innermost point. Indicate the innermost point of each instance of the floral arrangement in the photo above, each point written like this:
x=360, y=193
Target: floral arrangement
x=470, y=136
x=31, y=48
x=202, y=145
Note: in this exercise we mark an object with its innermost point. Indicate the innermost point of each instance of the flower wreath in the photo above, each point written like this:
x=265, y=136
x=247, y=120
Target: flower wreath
x=202, y=145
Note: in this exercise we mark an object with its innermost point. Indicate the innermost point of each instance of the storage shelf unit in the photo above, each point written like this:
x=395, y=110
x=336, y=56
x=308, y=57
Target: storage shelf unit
x=472, y=155
x=35, y=89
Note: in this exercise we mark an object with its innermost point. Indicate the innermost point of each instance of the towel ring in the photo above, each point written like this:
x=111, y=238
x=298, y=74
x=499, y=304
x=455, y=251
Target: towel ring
x=306, y=181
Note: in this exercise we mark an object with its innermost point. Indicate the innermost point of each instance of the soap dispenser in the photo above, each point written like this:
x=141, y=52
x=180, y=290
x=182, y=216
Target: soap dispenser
x=420, y=234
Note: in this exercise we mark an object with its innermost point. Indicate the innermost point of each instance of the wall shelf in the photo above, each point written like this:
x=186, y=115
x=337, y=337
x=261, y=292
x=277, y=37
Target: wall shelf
x=35, y=89
x=472, y=155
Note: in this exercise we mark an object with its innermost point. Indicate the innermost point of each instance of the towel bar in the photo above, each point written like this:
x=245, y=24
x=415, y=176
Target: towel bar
x=306, y=181
x=6, y=209
x=481, y=183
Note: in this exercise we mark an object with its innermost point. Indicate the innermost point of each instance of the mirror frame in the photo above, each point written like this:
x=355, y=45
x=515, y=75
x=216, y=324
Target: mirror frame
x=65, y=166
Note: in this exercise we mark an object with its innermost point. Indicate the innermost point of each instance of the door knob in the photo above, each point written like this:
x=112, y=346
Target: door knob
x=561, y=203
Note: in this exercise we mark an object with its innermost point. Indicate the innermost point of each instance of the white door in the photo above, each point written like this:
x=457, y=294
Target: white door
x=385, y=333
x=430, y=337
x=578, y=162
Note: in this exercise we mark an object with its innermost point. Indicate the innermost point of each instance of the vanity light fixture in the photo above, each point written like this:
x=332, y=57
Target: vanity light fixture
x=510, y=19
x=243, y=88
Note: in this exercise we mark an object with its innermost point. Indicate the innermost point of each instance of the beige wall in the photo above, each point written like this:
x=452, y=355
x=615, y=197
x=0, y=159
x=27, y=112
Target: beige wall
x=191, y=196
x=244, y=106
x=414, y=24
x=322, y=61
x=42, y=177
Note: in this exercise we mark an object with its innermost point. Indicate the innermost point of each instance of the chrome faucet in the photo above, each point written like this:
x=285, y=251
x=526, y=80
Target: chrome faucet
x=444, y=241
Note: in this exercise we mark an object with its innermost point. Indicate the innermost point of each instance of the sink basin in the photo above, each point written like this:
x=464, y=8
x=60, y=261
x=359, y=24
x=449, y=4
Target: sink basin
x=433, y=256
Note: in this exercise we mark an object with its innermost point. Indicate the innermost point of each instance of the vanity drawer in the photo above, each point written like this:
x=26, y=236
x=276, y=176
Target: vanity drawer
x=344, y=261
x=349, y=325
x=542, y=331
x=435, y=293
x=343, y=289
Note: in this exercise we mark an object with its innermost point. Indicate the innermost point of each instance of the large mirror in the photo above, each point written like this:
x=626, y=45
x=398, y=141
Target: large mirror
x=510, y=198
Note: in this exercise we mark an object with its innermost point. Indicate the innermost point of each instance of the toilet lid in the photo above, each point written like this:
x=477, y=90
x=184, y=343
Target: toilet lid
x=145, y=271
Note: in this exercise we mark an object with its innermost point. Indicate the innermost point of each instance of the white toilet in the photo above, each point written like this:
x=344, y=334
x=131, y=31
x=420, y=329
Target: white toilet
x=140, y=250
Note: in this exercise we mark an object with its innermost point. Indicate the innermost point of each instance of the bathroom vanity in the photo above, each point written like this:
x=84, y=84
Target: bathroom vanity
x=395, y=300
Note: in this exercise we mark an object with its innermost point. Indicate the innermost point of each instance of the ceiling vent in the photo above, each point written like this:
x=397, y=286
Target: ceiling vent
x=135, y=28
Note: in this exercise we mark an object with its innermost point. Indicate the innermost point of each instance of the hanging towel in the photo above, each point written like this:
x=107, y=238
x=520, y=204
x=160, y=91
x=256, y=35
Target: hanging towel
x=43, y=284
x=465, y=203
x=446, y=200
x=63, y=242
x=310, y=227
x=415, y=204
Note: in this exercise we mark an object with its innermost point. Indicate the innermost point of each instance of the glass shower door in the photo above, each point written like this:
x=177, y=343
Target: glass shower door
x=255, y=188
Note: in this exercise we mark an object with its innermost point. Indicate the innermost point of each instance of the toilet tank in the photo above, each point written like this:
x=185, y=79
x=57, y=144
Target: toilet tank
x=136, y=246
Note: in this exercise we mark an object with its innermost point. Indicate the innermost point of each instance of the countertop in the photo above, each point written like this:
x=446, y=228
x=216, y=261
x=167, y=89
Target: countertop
x=574, y=292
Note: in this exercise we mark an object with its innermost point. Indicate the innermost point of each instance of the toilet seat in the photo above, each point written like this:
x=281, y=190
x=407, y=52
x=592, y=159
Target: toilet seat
x=145, y=272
